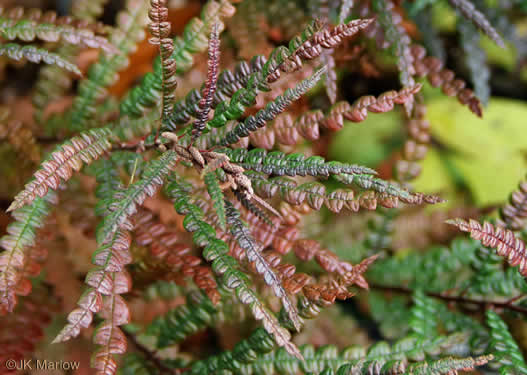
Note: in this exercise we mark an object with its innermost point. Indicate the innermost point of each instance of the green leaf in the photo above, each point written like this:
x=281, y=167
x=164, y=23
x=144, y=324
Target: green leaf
x=502, y=344
x=487, y=153
x=490, y=180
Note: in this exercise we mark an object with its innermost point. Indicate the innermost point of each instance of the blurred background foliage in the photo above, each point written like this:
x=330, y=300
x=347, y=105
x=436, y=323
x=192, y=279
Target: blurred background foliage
x=476, y=160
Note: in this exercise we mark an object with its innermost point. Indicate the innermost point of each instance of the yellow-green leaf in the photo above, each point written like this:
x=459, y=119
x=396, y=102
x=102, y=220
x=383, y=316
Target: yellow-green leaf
x=490, y=180
x=501, y=132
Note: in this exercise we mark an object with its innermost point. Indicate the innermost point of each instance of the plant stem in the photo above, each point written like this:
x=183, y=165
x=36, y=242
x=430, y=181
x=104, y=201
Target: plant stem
x=457, y=299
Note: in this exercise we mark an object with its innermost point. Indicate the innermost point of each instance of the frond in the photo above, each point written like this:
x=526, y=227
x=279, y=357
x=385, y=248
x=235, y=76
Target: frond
x=125, y=203
x=287, y=131
x=170, y=256
x=476, y=61
x=227, y=84
x=439, y=268
x=307, y=46
x=107, y=334
x=233, y=240
x=504, y=347
x=301, y=48
x=215, y=251
x=330, y=79
x=514, y=213
x=416, y=146
x=247, y=354
x=253, y=253
x=431, y=37
x=193, y=40
x=370, y=182
x=247, y=81
x=351, y=360
x=247, y=201
x=51, y=83
x=37, y=55
x=490, y=279
x=244, y=352
x=424, y=318
x=271, y=110
x=101, y=75
x=448, y=365
x=160, y=30
x=432, y=69
x=27, y=26
x=398, y=39
x=183, y=321
x=314, y=194
x=20, y=236
x=502, y=240
x=68, y=157
x=105, y=283
x=467, y=9
x=205, y=102
x=280, y=163
x=110, y=279
x=464, y=265
x=358, y=111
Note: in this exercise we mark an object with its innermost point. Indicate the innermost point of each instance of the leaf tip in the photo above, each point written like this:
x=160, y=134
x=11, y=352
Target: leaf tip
x=14, y=205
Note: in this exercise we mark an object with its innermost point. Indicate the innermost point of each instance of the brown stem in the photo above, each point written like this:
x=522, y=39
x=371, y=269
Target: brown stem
x=115, y=147
x=514, y=299
x=150, y=356
x=457, y=299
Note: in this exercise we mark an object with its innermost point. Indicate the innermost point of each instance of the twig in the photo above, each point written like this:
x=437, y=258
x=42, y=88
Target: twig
x=150, y=356
x=458, y=299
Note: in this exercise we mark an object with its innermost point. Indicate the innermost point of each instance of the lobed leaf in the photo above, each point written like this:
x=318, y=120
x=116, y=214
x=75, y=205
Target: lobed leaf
x=68, y=157
x=37, y=55
x=502, y=240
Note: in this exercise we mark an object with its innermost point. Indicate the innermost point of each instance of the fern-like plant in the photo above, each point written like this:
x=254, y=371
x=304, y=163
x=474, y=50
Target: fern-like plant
x=179, y=188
